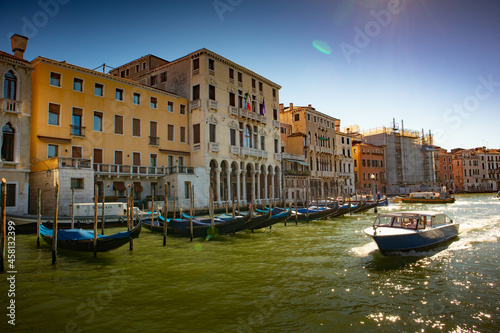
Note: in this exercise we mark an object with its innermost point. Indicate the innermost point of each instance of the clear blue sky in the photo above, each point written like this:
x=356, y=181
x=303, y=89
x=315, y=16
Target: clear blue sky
x=434, y=64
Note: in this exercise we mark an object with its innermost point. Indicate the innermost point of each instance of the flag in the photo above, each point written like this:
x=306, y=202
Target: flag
x=263, y=108
x=248, y=102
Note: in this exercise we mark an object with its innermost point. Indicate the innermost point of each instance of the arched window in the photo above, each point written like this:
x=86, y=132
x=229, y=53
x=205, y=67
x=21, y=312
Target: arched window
x=9, y=86
x=248, y=137
x=309, y=137
x=8, y=142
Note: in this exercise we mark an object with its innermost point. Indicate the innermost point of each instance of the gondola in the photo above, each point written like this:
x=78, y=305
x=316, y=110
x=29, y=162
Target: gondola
x=83, y=240
x=255, y=221
x=277, y=215
x=309, y=214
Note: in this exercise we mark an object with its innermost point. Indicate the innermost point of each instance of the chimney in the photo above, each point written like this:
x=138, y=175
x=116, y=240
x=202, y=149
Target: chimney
x=282, y=108
x=309, y=106
x=18, y=44
x=291, y=106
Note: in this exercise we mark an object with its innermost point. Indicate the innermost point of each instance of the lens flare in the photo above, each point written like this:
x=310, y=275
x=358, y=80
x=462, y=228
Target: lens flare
x=197, y=247
x=322, y=47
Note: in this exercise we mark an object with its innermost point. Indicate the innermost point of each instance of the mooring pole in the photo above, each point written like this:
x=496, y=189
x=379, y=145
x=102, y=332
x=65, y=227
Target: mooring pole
x=54, y=227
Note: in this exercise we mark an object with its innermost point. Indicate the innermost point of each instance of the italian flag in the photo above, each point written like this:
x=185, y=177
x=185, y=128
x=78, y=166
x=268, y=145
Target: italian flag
x=248, y=102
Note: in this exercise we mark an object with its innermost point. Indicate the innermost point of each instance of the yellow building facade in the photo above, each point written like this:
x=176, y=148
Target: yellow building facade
x=92, y=128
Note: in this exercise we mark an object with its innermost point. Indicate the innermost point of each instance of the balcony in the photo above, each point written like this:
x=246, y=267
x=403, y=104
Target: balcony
x=154, y=141
x=294, y=157
x=193, y=105
x=298, y=173
x=276, y=123
x=254, y=152
x=77, y=130
x=235, y=150
x=277, y=156
x=213, y=147
x=10, y=106
x=213, y=105
x=128, y=170
x=263, y=120
x=74, y=163
x=233, y=111
x=326, y=150
x=179, y=169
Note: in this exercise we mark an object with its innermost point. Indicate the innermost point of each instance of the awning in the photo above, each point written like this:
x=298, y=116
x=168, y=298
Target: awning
x=297, y=161
x=119, y=186
x=138, y=187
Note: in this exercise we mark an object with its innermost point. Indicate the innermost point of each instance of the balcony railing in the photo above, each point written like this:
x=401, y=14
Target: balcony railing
x=213, y=146
x=77, y=130
x=213, y=105
x=254, y=152
x=196, y=104
x=233, y=111
x=294, y=157
x=180, y=169
x=74, y=163
x=154, y=140
x=277, y=156
x=128, y=170
x=276, y=123
x=9, y=105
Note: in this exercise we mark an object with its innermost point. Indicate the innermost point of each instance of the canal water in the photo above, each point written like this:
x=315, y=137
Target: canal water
x=322, y=276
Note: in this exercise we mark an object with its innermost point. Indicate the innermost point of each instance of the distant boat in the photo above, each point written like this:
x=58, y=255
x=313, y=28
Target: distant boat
x=428, y=197
x=83, y=240
x=356, y=199
x=411, y=230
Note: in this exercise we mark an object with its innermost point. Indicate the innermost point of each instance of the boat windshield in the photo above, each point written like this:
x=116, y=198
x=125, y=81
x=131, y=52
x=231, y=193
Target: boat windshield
x=400, y=221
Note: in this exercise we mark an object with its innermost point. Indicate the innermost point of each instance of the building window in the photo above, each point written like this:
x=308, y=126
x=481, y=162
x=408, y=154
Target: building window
x=231, y=74
x=10, y=86
x=196, y=92
x=296, y=117
x=211, y=92
x=153, y=133
x=98, y=121
x=211, y=64
x=143, y=65
x=182, y=109
x=187, y=190
x=274, y=93
x=163, y=77
x=55, y=79
x=180, y=161
x=52, y=151
x=260, y=86
x=248, y=137
x=136, y=158
x=253, y=83
x=77, y=84
x=97, y=156
x=54, y=111
x=137, y=69
x=196, y=64
x=137, y=99
x=118, y=157
x=211, y=132
x=170, y=132
x=153, y=160
x=11, y=195
x=232, y=99
x=183, y=134
x=196, y=133
x=99, y=89
x=170, y=161
x=275, y=114
x=8, y=134
x=76, y=152
x=232, y=136
x=262, y=143
x=119, y=94
x=276, y=146
x=170, y=107
x=136, y=127
x=118, y=124
x=122, y=74
x=240, y=77
x=153, y=80
x=154, y=103
x=76, y=122
x=77, y=183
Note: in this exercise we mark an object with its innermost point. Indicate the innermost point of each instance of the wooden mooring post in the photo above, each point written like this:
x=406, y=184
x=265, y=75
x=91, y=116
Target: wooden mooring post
x=54, y=226
x=191, y=211
x=103, y=214
x=72, y=208
x=38, y=217
x=165, y=218
x=96, y=201
x=3, y=226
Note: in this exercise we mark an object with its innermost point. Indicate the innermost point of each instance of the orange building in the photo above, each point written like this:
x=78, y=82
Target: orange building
x=369, y=169
x=443, y=166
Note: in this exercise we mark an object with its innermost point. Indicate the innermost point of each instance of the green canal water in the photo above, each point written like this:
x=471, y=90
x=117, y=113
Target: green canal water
x=322, y=276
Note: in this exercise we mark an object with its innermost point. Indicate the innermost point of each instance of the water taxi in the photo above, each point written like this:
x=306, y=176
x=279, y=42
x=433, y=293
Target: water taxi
x=411, y=230
x=428, y=197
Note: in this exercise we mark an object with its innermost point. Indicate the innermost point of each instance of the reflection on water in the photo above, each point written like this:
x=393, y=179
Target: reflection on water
x=321, y=276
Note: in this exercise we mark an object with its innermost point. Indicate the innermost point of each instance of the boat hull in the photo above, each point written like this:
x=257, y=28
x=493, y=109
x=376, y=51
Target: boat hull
x=415, y=240
x=428, y=201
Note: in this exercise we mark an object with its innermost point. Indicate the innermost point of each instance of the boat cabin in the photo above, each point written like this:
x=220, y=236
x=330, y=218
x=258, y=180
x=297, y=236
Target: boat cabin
x=411, y=220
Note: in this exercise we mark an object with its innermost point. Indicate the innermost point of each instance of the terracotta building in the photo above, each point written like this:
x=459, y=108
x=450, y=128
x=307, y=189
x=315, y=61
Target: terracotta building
x=369, y=168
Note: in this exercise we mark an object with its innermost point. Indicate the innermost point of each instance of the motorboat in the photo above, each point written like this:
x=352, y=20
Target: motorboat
x=411, y=230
